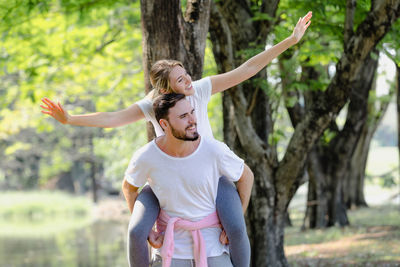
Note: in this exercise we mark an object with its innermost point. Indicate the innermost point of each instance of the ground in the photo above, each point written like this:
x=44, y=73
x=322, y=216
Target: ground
x=372, y=239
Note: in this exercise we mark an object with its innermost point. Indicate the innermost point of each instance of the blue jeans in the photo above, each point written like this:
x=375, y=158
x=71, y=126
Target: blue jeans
x=229, y=209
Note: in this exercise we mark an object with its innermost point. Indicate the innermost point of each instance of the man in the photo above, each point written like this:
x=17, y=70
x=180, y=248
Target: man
x=183, y=170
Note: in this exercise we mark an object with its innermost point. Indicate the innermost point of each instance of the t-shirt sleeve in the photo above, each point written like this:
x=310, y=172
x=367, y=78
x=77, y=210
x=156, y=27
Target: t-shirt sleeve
x=136, y=173
x=146, y=105
x=203, y=89
x=229, y=164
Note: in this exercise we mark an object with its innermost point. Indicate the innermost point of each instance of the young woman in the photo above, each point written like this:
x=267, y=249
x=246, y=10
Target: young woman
x=170, y=76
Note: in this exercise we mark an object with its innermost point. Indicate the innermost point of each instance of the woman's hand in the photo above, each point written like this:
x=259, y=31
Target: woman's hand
x=57, y=111
x=223, y=238
x=301, y=26
x=155, y=239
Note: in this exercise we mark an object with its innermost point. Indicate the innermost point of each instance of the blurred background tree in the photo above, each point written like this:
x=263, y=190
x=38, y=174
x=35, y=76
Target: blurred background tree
x=87, y=55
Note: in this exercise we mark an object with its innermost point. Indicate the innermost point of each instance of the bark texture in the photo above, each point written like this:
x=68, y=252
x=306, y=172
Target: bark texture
x=247, y=109
x=248, y=129
x=332, y=162
x=398, y=112
x=169, y=34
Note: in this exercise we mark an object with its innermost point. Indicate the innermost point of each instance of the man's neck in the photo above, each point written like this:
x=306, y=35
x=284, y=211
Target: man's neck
x=176, y=147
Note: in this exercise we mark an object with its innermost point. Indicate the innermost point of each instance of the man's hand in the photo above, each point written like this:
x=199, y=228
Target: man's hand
x=302, y=26
x=57, y=111
x=156, y=239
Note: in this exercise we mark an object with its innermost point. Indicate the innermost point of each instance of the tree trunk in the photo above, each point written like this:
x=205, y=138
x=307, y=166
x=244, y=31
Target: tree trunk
x=232, y=30
x=337, y=157
x=354, y=182
x=398, y=114
x=33, y=180
x=317, y=196
x=168, y=34
x=93, y=169
x=165, y=32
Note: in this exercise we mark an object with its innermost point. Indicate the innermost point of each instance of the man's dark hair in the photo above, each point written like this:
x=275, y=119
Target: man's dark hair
x=163, y=103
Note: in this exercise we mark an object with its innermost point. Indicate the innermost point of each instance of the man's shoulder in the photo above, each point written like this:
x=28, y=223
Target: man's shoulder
x=145, y=151
x=214, y=145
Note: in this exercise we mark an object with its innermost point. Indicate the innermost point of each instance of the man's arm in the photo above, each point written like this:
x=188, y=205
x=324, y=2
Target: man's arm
x=244, y=186
x=130, y=193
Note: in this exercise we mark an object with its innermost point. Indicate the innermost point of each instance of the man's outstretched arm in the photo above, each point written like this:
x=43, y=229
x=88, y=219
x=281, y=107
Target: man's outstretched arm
x=130, y=193
x=244, y=186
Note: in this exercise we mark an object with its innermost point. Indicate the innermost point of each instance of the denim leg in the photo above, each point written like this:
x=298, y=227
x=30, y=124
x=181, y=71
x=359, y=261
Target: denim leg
x=145, y=213
x=229, y=209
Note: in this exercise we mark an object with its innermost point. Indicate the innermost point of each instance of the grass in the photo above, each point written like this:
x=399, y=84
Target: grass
x=37, y=205
x=372, y=239
x=41, y=213
x=48, y=227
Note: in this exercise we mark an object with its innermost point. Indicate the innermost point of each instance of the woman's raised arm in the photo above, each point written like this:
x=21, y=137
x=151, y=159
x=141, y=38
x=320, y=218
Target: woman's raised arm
x=99, y=119
x=252, y=66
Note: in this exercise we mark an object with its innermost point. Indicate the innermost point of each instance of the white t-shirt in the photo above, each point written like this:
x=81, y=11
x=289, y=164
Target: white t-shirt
x=187, y=187
x=199, y=101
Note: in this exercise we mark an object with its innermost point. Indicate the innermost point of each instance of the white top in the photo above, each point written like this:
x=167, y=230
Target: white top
x=187, y=187
x=199, y=101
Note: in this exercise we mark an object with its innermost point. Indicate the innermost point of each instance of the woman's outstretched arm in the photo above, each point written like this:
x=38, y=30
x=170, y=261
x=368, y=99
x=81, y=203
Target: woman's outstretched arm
x=99, y=119
x=252, y=66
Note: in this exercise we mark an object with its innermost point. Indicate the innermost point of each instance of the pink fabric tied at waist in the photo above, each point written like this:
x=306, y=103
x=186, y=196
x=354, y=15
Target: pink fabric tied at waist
x=167, y=224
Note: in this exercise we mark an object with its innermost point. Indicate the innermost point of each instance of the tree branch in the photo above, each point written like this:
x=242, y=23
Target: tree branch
x=349, y=20
x=106, y=42
x=369, y=33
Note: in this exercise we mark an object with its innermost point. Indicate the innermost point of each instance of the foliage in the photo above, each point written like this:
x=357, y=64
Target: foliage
x=85, y=54
x=321, y=47
x=390, y=44
x=215, y=104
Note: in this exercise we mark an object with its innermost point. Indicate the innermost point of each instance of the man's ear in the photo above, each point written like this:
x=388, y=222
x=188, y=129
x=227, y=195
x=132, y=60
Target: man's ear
x=163, y=124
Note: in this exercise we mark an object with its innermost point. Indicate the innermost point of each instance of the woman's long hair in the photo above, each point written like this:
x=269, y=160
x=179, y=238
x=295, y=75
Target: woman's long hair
x=159, y=76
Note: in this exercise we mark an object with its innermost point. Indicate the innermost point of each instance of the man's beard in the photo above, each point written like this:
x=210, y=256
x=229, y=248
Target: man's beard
x=181, y=135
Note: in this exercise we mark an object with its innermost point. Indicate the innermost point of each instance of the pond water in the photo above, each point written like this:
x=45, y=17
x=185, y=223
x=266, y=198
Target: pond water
x=94, y=244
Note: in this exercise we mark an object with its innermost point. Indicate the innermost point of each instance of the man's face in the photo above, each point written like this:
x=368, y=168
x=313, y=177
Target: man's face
x=183, y=121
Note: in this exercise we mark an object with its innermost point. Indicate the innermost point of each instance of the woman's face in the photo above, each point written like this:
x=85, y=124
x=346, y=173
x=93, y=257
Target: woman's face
x=180, y=81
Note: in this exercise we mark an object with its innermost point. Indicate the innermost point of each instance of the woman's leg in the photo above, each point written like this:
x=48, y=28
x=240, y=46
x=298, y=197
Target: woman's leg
x=229, y=209
x=145, y=213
